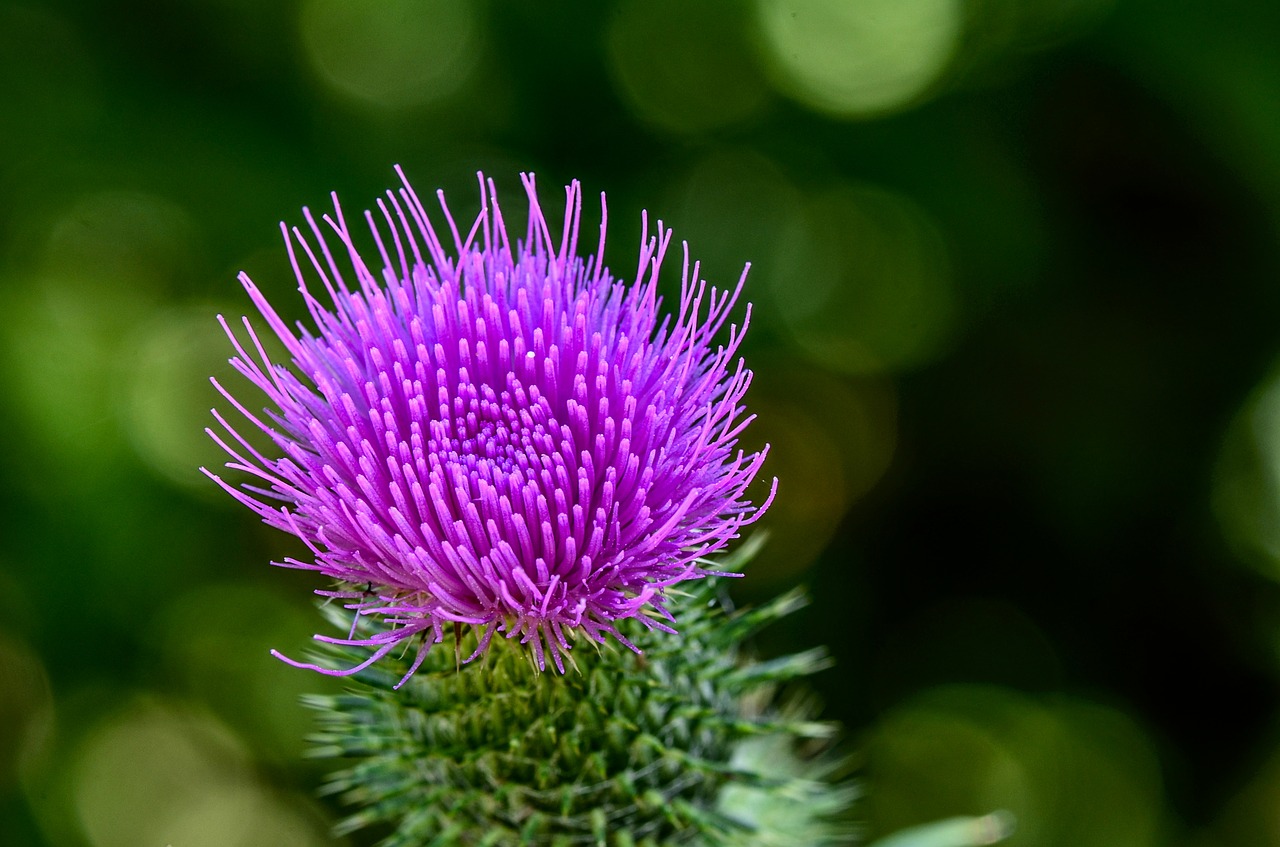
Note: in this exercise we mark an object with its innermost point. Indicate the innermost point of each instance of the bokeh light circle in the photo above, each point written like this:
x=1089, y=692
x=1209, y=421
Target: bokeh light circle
x=1246, y=482
x=858, y=58
x=831, y=441
x=214, y=646
x=26, y=710
x=142, y=244
x=392, y=53
x=732, y=206
x=1070, y=771
x=105, y=262
x=60, y=354
x=865, y=282
x=153, y=774
x=168, y=396
x=707, y=77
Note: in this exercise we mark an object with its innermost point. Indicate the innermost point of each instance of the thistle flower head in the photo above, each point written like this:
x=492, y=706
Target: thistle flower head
x=492, y=433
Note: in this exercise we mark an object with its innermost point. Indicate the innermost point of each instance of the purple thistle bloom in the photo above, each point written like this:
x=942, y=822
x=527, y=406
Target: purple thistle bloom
x=503, y=435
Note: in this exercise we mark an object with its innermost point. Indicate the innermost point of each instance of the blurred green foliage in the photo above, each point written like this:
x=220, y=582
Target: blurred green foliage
x=1017, y=326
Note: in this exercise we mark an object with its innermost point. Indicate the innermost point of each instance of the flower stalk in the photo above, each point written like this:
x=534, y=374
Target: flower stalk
x=686, y=742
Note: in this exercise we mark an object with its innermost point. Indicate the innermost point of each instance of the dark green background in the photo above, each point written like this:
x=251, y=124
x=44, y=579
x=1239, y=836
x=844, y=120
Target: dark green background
x=1015, y=332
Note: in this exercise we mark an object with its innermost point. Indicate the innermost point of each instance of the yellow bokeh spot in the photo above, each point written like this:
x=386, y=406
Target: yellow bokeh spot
x=858, y=58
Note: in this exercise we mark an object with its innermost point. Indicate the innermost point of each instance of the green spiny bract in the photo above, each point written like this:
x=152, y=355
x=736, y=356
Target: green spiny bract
x=685, y=744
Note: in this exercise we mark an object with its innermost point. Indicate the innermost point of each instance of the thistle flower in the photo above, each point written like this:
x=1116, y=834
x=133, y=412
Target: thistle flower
x=495, y=437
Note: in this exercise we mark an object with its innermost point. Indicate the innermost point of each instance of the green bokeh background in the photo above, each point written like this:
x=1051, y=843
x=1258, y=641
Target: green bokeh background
x=1016, y=336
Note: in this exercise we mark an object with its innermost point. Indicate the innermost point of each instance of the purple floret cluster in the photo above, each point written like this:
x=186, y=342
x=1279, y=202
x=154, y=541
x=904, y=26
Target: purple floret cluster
x=496, y=434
